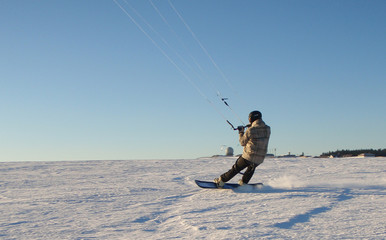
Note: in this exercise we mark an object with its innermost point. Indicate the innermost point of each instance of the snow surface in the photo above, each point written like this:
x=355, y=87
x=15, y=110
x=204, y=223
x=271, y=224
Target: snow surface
x=303, y=198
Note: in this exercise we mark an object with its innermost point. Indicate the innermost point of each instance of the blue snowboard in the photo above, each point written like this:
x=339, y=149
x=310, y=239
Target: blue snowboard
x=206, y=184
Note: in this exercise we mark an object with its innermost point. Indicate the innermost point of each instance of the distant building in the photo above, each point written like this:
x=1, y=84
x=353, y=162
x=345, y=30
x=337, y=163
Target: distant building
x=289, y=155
x=366, y=155
x=229, y=151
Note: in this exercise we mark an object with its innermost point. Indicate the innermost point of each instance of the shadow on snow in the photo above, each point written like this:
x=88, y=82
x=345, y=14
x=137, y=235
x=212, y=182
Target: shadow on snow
x=305, y=217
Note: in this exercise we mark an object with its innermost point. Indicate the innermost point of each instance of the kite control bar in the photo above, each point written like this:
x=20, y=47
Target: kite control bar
x=239, y=127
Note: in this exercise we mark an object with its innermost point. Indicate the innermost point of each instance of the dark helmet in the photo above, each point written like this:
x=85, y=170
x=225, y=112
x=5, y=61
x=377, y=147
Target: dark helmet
x=253, y=116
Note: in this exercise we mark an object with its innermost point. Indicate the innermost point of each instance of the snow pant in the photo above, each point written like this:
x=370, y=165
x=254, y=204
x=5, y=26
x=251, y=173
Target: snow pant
x=239, y=165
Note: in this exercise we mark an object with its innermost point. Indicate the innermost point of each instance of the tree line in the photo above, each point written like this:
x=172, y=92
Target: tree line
x=343, y=153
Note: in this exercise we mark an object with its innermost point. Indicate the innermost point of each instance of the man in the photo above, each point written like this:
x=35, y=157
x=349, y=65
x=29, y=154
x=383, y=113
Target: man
x=255, y=142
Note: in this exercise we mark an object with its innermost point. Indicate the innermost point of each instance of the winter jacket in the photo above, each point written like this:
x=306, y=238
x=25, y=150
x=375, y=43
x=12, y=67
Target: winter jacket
x=255, y=141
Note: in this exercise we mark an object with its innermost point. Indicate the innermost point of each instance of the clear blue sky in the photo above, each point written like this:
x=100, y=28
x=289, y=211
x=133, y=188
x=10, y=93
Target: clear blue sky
x=79, y=80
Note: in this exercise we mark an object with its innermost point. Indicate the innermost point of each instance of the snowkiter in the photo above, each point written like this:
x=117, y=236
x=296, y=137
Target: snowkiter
x=255, y=142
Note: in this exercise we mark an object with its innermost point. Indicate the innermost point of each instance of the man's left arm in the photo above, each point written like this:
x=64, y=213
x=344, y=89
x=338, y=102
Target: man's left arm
x=243, y=139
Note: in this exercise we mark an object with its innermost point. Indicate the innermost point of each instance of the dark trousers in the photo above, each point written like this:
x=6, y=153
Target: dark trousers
x=239, y=165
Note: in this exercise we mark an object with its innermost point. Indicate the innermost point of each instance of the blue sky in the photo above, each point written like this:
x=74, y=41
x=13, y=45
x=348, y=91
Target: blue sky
x=80, y=81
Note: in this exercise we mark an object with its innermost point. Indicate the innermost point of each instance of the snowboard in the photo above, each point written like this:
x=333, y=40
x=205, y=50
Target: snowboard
x=206, y=184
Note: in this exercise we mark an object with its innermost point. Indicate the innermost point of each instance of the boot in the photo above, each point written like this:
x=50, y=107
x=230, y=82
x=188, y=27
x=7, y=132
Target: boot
x=219, y=182
x=241, y=183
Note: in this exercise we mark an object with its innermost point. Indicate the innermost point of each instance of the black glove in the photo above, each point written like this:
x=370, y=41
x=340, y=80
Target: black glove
x=241, y=129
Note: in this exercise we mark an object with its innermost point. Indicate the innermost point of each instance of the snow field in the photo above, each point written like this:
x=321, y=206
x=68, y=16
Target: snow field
x=157, y=199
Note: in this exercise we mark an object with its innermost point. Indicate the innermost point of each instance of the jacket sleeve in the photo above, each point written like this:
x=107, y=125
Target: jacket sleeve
x=244, y=138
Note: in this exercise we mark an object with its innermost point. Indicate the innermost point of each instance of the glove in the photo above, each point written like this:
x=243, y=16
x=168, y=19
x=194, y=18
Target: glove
x=241, y=129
